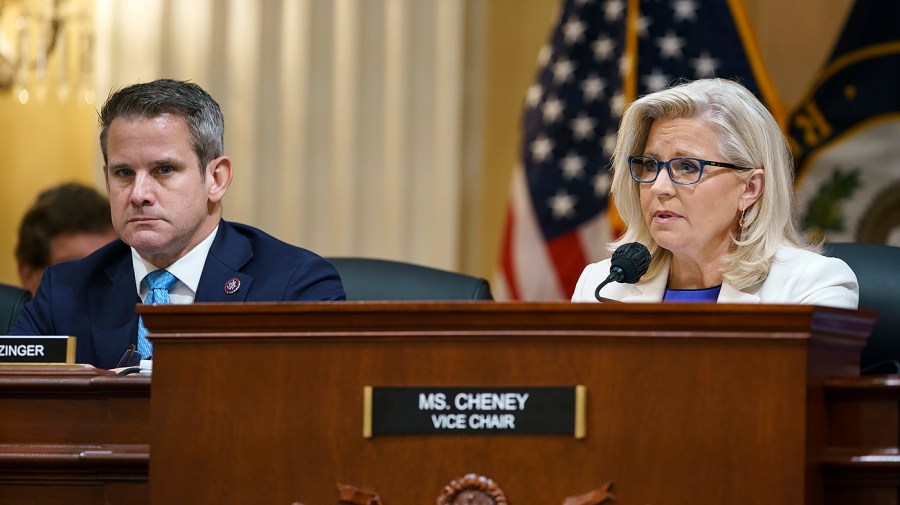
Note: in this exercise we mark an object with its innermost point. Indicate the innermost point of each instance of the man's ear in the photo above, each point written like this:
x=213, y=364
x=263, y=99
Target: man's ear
x=753, y=188
x=219, y=173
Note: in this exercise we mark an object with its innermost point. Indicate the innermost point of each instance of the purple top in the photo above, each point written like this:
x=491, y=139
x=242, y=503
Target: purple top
x=707, y=295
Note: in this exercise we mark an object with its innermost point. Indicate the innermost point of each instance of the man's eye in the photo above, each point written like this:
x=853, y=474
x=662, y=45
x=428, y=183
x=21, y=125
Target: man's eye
x=122, y=173
x=164, y=170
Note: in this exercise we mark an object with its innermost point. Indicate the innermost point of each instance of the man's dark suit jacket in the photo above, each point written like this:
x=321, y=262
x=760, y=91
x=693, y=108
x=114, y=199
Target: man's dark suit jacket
x=94, y=298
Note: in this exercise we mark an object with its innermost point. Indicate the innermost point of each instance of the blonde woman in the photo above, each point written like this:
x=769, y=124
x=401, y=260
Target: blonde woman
x=703, y=176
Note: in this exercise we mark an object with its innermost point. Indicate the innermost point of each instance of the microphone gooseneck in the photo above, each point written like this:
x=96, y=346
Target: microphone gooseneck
x=628, y=263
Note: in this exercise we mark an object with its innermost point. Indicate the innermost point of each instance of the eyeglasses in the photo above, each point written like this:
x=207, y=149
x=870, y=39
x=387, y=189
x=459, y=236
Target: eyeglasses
x=131, y=357
x=681, y=170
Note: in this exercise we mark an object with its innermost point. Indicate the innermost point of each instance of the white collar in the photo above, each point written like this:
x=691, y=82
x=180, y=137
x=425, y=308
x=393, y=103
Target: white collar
x=187, y=268
x=653, y=290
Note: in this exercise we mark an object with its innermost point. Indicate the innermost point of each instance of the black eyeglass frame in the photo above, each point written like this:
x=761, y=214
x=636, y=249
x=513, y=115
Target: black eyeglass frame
x=131, y=357
x=668, y=166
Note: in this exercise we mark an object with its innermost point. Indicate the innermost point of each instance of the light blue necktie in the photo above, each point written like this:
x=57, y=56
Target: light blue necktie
x=159, y=282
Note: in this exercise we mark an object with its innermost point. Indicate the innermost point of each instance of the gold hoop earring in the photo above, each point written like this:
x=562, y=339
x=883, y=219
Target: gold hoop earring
x=741, y=221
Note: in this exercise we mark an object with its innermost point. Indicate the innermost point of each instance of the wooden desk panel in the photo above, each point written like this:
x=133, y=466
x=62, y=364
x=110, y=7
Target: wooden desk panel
x=269, y=407
x=73, y=434
x=862, y=461
x=686, y=404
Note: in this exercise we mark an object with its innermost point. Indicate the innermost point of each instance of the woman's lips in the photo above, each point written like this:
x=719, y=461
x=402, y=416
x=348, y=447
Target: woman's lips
x=665, y=216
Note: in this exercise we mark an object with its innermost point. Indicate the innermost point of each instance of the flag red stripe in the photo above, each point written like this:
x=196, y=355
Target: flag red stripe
x=507, y=259
x=569, y=260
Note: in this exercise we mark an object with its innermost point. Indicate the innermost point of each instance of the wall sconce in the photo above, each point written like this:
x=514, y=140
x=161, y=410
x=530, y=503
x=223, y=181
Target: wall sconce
x=44, y=45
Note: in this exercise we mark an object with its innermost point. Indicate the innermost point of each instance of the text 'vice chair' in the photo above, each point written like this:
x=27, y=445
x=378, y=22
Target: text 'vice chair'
x=877, y=269
x=378, y=279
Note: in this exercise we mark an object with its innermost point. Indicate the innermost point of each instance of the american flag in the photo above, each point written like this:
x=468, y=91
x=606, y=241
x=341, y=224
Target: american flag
x=601, y=55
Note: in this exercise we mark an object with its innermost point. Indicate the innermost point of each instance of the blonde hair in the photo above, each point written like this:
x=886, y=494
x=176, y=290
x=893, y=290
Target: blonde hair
x=748, y=136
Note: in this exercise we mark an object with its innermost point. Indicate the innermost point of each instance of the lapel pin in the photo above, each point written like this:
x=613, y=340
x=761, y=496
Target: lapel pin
x=232, y=286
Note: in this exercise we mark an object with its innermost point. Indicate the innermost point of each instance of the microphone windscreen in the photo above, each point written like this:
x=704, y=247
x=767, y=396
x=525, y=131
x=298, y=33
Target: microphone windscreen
x=633, y=259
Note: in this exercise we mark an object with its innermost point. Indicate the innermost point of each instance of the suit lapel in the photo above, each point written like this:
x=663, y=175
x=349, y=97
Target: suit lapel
x=111, y=305
x=221, y=279
x=651, y=291
x=654, y=290
x=730, y=294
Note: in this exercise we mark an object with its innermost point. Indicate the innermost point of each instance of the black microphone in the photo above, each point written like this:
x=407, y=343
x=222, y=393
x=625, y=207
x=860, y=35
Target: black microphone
x=629, y=262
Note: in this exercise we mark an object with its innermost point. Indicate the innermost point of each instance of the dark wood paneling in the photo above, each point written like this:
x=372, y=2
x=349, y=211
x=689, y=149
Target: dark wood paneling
x=262, y=403
x=686, y=404
x=73, y=434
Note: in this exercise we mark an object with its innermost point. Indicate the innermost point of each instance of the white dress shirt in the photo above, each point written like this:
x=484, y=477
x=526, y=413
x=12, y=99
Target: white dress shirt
x=187, y=270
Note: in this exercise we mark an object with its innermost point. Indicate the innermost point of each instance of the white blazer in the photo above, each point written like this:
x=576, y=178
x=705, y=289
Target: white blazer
x=796, y=276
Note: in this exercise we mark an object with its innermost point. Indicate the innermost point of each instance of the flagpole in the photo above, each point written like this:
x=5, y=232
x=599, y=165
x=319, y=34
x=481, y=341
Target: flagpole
x=754, y=57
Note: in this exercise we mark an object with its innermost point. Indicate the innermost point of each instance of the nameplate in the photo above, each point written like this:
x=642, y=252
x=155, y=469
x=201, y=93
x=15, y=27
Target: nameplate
x=474, y=411
x=37, y=349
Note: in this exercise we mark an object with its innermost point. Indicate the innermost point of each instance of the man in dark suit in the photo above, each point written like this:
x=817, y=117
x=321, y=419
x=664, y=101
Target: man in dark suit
x=166, y=176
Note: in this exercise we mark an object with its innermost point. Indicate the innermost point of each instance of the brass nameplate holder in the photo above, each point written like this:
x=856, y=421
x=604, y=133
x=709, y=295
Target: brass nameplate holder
x=474, y=410
x=37, y=349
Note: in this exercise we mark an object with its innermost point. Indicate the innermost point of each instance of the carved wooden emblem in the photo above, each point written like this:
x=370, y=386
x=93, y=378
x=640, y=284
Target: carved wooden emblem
x=352, y=495
x=596, y=497
x=472, y=489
